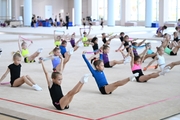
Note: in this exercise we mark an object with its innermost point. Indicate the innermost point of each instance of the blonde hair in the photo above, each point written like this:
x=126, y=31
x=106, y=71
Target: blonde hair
x=16, y=54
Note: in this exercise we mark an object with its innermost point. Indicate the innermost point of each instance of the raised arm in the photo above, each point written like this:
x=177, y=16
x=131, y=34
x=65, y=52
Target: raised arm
x=80, y=32
x=54, y=35
x=5, y=74
x=87, y=62
x=132, y=57
x=139, y=44
x=60, y=67
x=144, y=54
x=19, y=45
x=89, y=32
x=49, y=82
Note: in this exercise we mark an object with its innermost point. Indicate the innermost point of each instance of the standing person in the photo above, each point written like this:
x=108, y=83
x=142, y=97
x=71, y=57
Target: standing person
x=67, y=20
x=60, y=20
x=102, y=23
x=55, y=21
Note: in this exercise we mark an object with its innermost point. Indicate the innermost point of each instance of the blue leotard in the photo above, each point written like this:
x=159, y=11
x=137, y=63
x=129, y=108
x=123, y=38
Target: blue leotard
x=99, y=76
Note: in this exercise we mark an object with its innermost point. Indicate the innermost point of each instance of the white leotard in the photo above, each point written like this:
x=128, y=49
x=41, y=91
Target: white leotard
x=161, y=61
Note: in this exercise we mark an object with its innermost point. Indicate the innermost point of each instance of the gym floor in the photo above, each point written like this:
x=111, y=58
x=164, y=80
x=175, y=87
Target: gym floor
x=157, y=99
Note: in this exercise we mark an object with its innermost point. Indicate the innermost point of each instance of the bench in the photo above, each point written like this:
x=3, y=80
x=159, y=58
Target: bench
x=170, y=24
x=130, y=23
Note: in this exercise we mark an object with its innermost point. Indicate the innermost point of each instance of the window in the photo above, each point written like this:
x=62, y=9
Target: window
x=173, y=10
x=102, y=9
x=137, y=10
x=155, y=5
x=117, y=10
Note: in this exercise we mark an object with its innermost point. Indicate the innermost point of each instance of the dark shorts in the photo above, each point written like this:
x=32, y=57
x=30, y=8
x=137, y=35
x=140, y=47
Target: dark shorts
x=172, y=53
x=103, y=91
x=27, y=61
x=63, y=55
x=84, y=24
x=58, y=107
x=140, y=74
x=107, y=65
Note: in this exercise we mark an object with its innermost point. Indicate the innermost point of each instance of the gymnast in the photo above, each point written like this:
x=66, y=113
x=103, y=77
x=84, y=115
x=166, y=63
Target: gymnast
x=60, y=101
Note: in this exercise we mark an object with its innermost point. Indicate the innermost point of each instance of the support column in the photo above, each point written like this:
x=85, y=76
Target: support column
x=27, y=12
x=148, y=13
x=77, y=12
x=9, y=12
x=111, y=18
x=163, y=12
x=125, y=15
x=0, y=10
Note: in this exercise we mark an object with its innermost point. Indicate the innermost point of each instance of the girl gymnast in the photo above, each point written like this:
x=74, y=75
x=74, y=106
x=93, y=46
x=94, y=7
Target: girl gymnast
x=121, y=36
x=107, y=42
x=107, y=63
x=95, y=44
x=100, y=77
x=23, y=47
x=58, y=39
x=160, y=59
x=174, y=42
x=15, y=71
x=167, y=50
x=160, y=30
x=178, y=23
x=85, y=37
x=125, y=43
x=136, y=62
x=102, y=23
x=60, y=101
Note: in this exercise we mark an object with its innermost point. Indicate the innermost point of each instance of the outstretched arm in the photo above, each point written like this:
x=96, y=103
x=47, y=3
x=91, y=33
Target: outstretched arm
x=132, y=57
x=89, y=32
x=144, y=54
x=80, y=32
x=49, y=82
x=60, y=67
x=87, y=62
x=54, y=35
x=19, y=45
x=139, y=44
x=5, y=74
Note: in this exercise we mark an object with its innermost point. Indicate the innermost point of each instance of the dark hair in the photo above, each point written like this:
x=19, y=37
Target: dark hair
x=55, y=74
x=94, y=39
x=101, y=18
x=83, y=18
x=165, y=27
x=122, y=33
x=176, y=28
x=105, y=47
x=136, y=58
x=134, y=43
x=103, y=34
x=174, y=33
x=97, y=63
x=64, y=42
x=84, y=33
x=56, y=49
x=23, y=43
